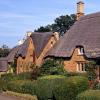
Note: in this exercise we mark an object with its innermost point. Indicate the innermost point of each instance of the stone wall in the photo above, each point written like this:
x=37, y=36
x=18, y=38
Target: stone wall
x=23, y=64
x=71, y=64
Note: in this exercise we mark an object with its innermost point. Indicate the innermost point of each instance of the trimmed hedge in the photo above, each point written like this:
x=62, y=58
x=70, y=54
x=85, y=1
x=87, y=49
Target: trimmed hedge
x=52, y=77
x=45, y=86
x=76, y=74
x=22, y=86
x=50, y=87
x=89, y=95
x=97, y=86
x=70, y=88
x=3, y=85
x=12, y=77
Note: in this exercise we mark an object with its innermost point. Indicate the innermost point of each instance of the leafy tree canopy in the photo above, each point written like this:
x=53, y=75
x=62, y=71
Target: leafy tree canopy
x=60, y=25
x=4, y=51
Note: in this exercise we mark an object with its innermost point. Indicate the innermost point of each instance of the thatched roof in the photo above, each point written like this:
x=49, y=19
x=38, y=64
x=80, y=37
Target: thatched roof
x=23, y=49
x=3, y=64
x=10, y=58
x=13, y=52
x=85, y=32
x=39, y=40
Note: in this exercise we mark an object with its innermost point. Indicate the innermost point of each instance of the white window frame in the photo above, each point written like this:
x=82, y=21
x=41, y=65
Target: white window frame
x=80, y=51
x=79, y=67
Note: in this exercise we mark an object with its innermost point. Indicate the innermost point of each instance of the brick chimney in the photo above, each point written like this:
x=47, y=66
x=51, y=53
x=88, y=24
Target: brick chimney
x=80, y=9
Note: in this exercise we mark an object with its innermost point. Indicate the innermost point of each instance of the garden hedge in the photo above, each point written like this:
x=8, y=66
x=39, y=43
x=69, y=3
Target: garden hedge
x=89, y=95
x=68, y=89
x=50, y=87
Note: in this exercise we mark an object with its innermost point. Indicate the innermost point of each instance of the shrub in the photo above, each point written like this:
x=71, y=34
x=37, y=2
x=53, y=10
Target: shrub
x=7, y=77
x=46, y=85
x=3, y=85
x=89, y=95
x=90, y=68
x=35, y=72
x=52, y=67
x=76, y=74
x=50, y=87
x=50, y=77
x=24, y=76
x=22, y=86
x=97, y=86
x=68, y=89
x=12, y=77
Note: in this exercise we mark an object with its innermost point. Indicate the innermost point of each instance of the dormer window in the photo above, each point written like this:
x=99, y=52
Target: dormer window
x=80, y=51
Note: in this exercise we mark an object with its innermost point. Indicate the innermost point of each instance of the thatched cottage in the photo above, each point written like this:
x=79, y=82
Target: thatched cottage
x=5, y=62
x=80, y=44
x=34, y=49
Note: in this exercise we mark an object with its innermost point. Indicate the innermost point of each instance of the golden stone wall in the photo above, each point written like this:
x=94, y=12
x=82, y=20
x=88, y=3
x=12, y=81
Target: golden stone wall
x=23, y=64
x=71, y=65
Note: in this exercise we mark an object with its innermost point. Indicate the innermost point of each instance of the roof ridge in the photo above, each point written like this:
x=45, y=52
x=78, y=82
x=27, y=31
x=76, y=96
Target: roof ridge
x=88, y=16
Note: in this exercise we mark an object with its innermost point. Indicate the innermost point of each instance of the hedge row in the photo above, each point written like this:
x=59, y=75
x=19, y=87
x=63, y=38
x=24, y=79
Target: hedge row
x=70, y=88
x=89, y=95
x=54, y=88
x=12, y=77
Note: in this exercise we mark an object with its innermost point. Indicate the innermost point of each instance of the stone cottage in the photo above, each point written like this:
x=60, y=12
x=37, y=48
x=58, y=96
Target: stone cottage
x=80, y=44
x=34, y=49
x=5, y=62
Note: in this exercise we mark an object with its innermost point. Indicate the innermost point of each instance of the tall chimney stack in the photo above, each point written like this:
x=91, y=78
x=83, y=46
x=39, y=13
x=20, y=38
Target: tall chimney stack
x=80, y=9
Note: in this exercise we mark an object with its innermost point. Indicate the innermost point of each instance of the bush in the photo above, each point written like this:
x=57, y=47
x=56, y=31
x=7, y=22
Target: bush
x=76, y=74
x=50, y=87
x=7, y=77
x=22, y=86
x=68, y=89
x=97, y=86
x=89, y=95
x=52, y=67
x=50, y=77
x=12, y=77
x=46, y=85
x=3, y=85
x=35, y=73
x=43, y=87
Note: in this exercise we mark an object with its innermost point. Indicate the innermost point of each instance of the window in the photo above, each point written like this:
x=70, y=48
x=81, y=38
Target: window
x=51, y=43
x=81, y=67
x=80, y=51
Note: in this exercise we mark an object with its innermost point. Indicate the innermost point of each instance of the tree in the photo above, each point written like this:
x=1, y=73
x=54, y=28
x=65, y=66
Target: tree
x=52, y=67
x=63, y=23
x=44, y=29
x=60, y=25
x=4, y=51
x=91, y=72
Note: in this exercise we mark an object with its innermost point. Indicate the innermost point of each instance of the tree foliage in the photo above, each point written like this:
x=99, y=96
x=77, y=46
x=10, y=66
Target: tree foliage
x=91, y=70
x=4, y=51
x=44, y=29
x=52, y=67
x=60, y=25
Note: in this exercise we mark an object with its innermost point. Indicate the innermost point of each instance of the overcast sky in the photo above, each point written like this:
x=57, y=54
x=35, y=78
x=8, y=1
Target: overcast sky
x=19, y=16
